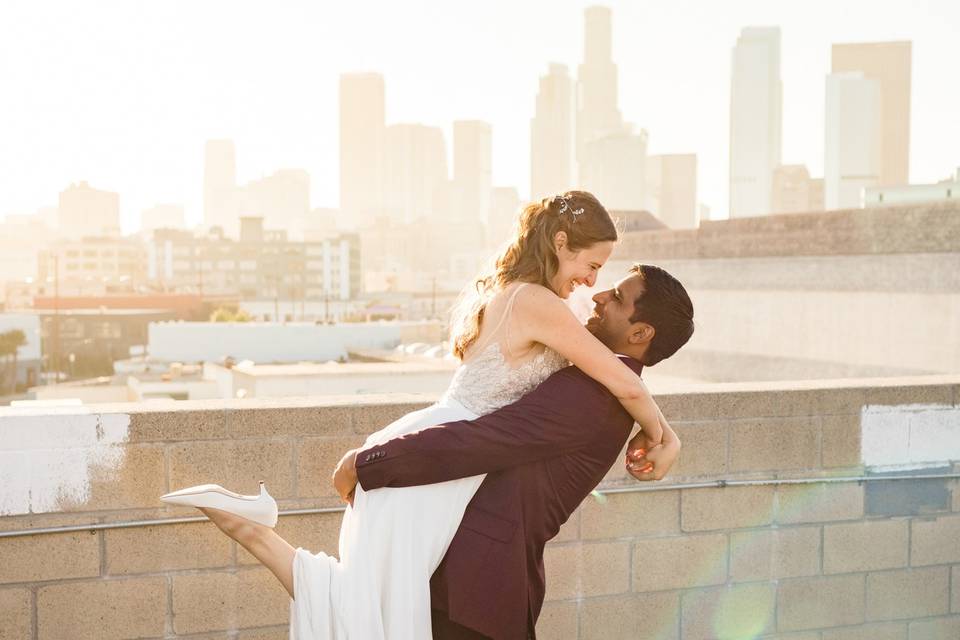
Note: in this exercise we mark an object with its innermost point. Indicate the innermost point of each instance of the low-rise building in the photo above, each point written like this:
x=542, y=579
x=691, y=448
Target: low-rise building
x=263, y=264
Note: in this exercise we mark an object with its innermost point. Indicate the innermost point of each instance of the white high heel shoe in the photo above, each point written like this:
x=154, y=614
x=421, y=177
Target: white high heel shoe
x=261, y=509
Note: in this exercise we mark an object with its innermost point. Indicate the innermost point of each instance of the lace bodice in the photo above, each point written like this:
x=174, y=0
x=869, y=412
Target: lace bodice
x=488, y=381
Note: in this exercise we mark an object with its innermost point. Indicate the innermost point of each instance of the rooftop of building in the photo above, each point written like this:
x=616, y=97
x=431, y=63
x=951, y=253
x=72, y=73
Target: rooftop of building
x=917, y=228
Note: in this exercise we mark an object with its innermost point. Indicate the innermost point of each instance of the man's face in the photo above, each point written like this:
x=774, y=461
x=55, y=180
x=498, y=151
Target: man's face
x=612, y=309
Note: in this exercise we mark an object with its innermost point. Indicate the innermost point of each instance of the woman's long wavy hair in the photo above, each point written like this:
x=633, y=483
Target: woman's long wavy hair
x=531, y=256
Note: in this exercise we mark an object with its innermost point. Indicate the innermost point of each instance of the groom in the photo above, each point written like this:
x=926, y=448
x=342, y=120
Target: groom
x=543, y=455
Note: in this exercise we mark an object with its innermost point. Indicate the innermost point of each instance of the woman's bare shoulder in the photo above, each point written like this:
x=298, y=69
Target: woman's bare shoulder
x=538, y=299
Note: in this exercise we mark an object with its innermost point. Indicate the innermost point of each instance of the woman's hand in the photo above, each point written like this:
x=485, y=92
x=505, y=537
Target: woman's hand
x=650, y=460
x=345, y=476
x=653, y=464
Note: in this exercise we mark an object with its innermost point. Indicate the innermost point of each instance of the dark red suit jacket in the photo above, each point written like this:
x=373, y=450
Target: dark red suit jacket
x=544, y=454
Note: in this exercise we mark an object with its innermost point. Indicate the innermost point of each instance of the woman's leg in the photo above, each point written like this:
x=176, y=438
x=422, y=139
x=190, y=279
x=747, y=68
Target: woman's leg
x=262, y=542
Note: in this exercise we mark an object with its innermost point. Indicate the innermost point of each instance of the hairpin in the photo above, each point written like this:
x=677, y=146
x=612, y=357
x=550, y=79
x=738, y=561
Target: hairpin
x=565, y=206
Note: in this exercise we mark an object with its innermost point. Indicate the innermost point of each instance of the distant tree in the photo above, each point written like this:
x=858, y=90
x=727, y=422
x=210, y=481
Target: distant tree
x=10, y=343
x=222, y=314
x=227, y=314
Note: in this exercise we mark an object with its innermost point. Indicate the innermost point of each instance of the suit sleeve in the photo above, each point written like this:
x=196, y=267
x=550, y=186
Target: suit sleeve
x=563, y=413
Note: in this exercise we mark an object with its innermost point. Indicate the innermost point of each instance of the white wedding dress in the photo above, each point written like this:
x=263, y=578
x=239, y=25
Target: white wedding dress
x=393, y=539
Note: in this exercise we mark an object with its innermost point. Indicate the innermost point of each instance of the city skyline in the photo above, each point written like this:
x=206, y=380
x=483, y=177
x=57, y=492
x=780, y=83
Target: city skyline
x=172, y=171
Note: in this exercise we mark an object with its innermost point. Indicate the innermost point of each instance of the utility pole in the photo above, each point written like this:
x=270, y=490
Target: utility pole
x=433, y=306
x=56, y=319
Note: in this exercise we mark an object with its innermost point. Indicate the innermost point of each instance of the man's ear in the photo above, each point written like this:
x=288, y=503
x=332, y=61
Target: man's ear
x=642, y=333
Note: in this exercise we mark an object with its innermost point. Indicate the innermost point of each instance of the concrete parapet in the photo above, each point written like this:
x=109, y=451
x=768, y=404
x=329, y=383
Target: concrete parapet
x=776, y=559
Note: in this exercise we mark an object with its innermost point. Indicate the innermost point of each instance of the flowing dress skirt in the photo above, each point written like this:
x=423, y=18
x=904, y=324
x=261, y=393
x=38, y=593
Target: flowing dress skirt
x=391, y=541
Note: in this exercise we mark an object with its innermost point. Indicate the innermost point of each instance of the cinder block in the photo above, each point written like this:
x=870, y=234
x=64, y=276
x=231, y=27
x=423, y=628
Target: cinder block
x=774, y=444
x=679, y=407
x=908, y=593
x=374, y=415
x=679, y=562
x=865, y=546
x=102, y=609
x=772, y=554
x=704, y=450
x=630, y=514
x=170, y=423
x=236, y=464
x=316, y=460
x=584, y=570
x=137, y=480
x=875, y=631
x=955, y=585
x=936, y=629
x=909, y=394
x=295, y=417
x=273, y=633
x=841, y=440
x=627, y=617
x=935, y=541
x=314, y=532
x=53, y=556
x=728, y=508
x=740, y=611
x=228, y=601
x=557, y=621
x=16, y=621
x=809, y=503
x=811, y=603
x=166, y=548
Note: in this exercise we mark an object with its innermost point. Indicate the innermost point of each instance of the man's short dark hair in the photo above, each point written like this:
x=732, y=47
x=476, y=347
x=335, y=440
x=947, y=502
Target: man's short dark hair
x=665, y=305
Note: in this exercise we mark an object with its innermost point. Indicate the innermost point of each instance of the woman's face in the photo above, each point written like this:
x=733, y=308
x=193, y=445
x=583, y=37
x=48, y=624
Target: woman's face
x=578, y=267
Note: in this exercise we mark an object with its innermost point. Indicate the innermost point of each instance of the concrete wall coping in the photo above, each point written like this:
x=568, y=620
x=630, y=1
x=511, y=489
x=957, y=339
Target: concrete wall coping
x=874, y=387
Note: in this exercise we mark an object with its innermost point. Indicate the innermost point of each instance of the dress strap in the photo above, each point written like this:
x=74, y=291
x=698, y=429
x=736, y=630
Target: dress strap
x=503, y=318
x=508, y=312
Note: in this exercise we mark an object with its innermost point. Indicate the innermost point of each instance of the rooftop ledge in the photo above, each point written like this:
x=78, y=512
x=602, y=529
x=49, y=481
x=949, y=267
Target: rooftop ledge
x=109, y=457
x=64, y=471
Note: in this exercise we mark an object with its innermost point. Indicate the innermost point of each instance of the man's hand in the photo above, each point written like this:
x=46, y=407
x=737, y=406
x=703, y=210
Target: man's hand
x=345, y=476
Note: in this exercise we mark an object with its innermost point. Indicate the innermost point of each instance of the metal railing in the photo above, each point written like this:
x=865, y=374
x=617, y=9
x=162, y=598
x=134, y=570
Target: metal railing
x=639, y=488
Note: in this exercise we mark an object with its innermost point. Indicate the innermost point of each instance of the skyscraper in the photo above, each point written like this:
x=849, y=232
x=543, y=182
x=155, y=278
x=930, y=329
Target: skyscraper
x=598, y=115
x=671, y=192
x=552, y=166
x=889, y=64
x=756, y=95
x=282, y=200
x=472, y=170
x=852, y=159
x=613, y=168
x=415, y=172
x=85, y=211
x=794, y=191
x=362, y=131
x=220, y=186
x=162, y=216
x=504, y=214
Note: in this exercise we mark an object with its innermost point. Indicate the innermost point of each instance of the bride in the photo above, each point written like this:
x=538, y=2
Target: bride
x=513, y=334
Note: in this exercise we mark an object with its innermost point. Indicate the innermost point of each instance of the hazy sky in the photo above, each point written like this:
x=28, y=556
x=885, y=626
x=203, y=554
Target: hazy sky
x=124, y=93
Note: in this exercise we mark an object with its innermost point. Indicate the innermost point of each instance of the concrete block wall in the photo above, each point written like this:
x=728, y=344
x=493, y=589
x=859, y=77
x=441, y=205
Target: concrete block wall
x=922, y=228
x=824, y=561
